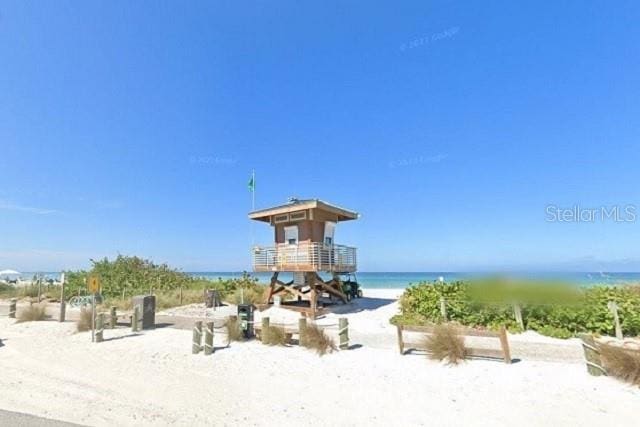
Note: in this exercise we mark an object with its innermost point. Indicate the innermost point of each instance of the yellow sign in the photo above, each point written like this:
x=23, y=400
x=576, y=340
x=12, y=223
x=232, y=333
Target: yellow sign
x=93, y=284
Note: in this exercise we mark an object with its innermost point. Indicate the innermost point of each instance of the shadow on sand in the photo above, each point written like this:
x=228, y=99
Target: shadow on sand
x=361, y=304
x=121, y=337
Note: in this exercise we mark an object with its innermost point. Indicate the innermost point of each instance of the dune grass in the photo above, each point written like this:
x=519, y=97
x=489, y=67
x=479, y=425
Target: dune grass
x=446, y=344
x=621, y=362
x=33, y=313
x=274, y=335
x=315, y=338
x=253, y=295
x=84, y=321
x=234, y=330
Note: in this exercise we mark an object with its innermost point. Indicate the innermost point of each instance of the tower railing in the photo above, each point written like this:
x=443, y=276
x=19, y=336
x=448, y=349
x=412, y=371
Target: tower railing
x=304, y=256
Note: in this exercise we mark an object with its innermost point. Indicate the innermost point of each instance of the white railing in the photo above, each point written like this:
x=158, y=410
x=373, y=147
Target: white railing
x=304, y=256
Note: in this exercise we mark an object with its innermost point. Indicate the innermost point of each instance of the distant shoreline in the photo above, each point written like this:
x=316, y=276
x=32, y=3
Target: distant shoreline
x=401, y=280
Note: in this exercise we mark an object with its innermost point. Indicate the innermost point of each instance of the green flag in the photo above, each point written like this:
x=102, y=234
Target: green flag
x=252, y=184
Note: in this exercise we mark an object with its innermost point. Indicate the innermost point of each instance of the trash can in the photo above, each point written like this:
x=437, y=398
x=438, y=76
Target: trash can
x=147, y=305
x=245, y=315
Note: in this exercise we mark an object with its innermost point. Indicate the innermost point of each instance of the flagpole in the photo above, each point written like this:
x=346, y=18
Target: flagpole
x=253, y=203
x=253, y=193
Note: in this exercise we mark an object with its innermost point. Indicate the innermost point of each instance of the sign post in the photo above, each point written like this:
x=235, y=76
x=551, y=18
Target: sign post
x=94, y=287
x=63, y=304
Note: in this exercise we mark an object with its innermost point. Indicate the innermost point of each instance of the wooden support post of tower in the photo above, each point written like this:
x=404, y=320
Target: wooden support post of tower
x=272, y=286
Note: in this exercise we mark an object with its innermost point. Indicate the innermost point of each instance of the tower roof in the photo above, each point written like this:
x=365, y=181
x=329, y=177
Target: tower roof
x=300, y=204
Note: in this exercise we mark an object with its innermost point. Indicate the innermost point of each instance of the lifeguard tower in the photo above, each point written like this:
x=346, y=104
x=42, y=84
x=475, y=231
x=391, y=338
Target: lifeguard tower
x=304, y=232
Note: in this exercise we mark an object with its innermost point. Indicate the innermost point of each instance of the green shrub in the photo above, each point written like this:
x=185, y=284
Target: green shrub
x=554, y=332
x=552, y=308
x=126, y=276
x=254, y=294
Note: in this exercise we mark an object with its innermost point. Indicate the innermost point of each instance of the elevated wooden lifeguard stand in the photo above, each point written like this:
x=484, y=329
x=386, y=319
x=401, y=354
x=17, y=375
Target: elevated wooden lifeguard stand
x=304, y=245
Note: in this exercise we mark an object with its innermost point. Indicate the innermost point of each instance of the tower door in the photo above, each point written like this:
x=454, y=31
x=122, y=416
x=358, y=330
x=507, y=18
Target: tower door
x=291, y=234
x=329, y=230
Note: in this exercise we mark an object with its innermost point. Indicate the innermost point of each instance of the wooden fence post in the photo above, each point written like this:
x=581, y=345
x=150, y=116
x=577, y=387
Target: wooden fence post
x=504, y=344
x=400, y=341
x=12, y=308
x=613, y=308
x=113, y=320
x=302, y=326
x=180, y=295
x=197, y=338
x=39, y=289
x=517, y=312
x=99, y=327
x=592, y=355
x=343, y=332
x=135, y=319
x=443, y=308
x=63, y=304
x=208, y=339
x=265, y=326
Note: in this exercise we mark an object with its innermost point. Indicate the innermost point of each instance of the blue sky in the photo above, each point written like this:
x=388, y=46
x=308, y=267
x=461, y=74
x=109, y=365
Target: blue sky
x=133, y=127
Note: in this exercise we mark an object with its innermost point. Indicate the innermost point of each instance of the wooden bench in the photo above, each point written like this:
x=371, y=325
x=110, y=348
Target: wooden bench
x=503, y=353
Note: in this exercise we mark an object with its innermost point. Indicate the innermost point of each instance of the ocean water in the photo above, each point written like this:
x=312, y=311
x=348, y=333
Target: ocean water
x=401, y=280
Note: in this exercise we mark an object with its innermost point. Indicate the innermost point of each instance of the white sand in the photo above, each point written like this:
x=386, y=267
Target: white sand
x=48, y=370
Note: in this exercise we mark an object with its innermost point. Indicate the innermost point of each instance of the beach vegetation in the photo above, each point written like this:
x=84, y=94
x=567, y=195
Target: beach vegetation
x=274, y=335
x=84, y=322
x=621, y=362
x=446, y=344
x=316, y=339
x=234, y=330
x=554, y=309
x=32, y=313
x=252, y=294
x=127, y=276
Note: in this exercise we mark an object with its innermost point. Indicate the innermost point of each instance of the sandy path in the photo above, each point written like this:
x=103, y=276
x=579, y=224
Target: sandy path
x=369, y=326
x=151, y=378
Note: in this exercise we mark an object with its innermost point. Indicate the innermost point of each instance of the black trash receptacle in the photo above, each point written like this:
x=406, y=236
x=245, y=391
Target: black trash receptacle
x=245, y=315
x=147, y=305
